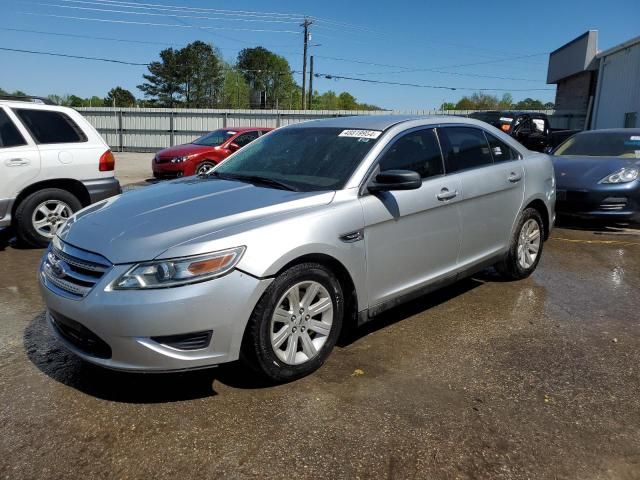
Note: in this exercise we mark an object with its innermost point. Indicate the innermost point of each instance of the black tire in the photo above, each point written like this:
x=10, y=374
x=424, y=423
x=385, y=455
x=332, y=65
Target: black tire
x=24, y=226
x=510, y=268
x=257, y=350
x=206, y=163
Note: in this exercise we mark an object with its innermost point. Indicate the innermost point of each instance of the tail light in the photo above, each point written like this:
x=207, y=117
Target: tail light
x=107, y=162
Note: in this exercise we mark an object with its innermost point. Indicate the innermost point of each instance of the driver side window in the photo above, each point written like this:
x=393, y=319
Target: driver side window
x=417, y=151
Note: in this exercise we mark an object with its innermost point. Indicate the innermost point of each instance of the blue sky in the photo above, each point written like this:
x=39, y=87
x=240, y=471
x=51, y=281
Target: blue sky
x=413, y=34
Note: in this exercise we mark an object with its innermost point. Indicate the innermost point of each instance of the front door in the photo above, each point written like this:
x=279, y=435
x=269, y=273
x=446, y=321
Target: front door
x=19, y=159
x=412, y=237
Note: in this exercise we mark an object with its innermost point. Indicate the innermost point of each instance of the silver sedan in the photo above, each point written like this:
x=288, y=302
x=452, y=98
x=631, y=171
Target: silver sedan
x=310, y=228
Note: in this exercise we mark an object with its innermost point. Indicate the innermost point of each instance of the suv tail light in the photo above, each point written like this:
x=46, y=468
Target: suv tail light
x=107, y=162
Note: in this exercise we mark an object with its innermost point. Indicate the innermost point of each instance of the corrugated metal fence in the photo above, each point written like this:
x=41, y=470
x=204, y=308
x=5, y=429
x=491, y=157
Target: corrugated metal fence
x=150, y=129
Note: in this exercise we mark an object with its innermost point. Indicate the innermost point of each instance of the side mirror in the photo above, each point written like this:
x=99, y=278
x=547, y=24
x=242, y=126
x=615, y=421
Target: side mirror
x=395, y=180
x=233, y=147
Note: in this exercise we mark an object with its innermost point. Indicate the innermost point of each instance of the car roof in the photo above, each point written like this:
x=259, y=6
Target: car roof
x=379, y=122
x=245, y=129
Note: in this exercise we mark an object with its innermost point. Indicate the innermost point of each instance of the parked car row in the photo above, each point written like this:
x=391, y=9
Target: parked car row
x=294, y=236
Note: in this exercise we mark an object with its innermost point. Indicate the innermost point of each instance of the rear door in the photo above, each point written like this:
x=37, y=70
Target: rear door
x=492, y=189
x=19, y=158
x=412, y=236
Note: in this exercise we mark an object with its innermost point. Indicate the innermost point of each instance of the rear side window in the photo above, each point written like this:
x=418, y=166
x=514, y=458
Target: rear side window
x=464, y=148
x=50, y=127
x=501, y=151
x=9, y=134
x=246, y=138
x=416, y=151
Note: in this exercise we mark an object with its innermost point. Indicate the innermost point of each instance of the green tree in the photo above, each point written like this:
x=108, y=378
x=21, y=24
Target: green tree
x=191, y=76
x=119, y=97
x=529, y=104
x=549, y=106
x=448, y=106
x=346, y=101
x=506, y=101
x=75, y=101
x=465, y=103
x=267, y=72
x=163, y=86
x=235, y=89
x=201, y=75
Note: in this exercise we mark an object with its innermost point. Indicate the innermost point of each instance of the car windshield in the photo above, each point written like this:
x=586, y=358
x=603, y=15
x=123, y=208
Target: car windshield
x=215, y=138
x=601, y=144
x=308, y=159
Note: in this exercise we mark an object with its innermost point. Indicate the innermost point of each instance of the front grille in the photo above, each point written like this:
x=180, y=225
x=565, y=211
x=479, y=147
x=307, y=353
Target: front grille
x=72, y=271
x=80, y=336
x=186, y=341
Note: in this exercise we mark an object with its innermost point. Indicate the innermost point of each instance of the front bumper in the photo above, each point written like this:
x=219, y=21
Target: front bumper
x=607, y=203
x=166, y=169
x=126, y=321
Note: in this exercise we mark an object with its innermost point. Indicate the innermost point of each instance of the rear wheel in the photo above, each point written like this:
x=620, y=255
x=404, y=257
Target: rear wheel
x=41, y=214
x=525, y=248
x=204, y=167
x=296, y=323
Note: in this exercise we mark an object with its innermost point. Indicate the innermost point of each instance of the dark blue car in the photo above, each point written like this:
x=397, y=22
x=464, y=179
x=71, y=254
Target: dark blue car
x=598, y=176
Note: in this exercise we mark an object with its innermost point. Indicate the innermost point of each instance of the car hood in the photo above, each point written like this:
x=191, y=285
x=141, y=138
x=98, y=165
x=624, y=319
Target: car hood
x=142, y=224
x=585, y=172
x=183, y=150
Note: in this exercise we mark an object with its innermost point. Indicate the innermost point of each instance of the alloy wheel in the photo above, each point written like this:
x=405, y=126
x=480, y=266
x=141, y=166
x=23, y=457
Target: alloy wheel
x=49, y=216
x=301, y=322
x=528, y=243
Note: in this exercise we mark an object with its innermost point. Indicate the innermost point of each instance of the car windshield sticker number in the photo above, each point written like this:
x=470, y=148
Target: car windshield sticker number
x=360, y=133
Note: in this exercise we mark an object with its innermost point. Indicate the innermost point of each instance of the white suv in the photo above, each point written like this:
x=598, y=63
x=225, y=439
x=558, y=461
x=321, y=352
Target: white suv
x=52, y=163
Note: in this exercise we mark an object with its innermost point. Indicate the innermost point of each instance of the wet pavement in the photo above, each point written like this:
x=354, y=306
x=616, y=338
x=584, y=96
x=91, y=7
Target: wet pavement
x=485, y=379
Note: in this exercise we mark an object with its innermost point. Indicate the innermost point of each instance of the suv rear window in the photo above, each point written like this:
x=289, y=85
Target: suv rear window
x=50, y=127
x=9, y=134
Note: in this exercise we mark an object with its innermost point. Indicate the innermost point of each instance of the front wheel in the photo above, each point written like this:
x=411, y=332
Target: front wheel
x=296, y=323
x=525, y=248
x=204, y=167
x=41, y=214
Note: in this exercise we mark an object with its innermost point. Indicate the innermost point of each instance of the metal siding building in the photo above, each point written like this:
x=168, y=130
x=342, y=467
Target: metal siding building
x=604, y=85
x=617, y=102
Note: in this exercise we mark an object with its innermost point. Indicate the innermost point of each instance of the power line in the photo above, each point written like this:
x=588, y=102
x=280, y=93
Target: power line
x=123, y=40
x=55, y=54
x=128, y=22
x=417, y=85
x=155, y=6
x=129, y=12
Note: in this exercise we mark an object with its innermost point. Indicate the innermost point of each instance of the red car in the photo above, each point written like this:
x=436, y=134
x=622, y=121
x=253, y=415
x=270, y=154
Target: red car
x=203, y=153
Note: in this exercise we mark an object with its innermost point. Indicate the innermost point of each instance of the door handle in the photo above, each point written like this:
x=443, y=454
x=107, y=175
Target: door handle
x=445, y=194
x=514, y=177
x=17, y=162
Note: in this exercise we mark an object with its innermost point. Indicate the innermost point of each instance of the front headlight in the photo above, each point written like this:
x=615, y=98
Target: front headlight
x=624, y=175
x=179, y=271
x=179, y=159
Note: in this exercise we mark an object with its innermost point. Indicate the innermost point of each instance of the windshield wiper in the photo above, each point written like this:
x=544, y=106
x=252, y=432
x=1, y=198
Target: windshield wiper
x=255, y=179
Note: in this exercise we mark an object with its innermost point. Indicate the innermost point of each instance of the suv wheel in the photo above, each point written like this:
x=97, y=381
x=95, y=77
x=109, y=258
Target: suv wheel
x=42, y=213
x=525, y=248
x=296, y=323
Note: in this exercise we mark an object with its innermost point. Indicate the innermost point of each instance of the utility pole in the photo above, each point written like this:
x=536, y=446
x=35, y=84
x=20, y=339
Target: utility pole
x=310, y=104
x=306, y=24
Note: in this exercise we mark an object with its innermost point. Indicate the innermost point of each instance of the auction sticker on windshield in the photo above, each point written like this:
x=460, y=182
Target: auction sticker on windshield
x=360, y=133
